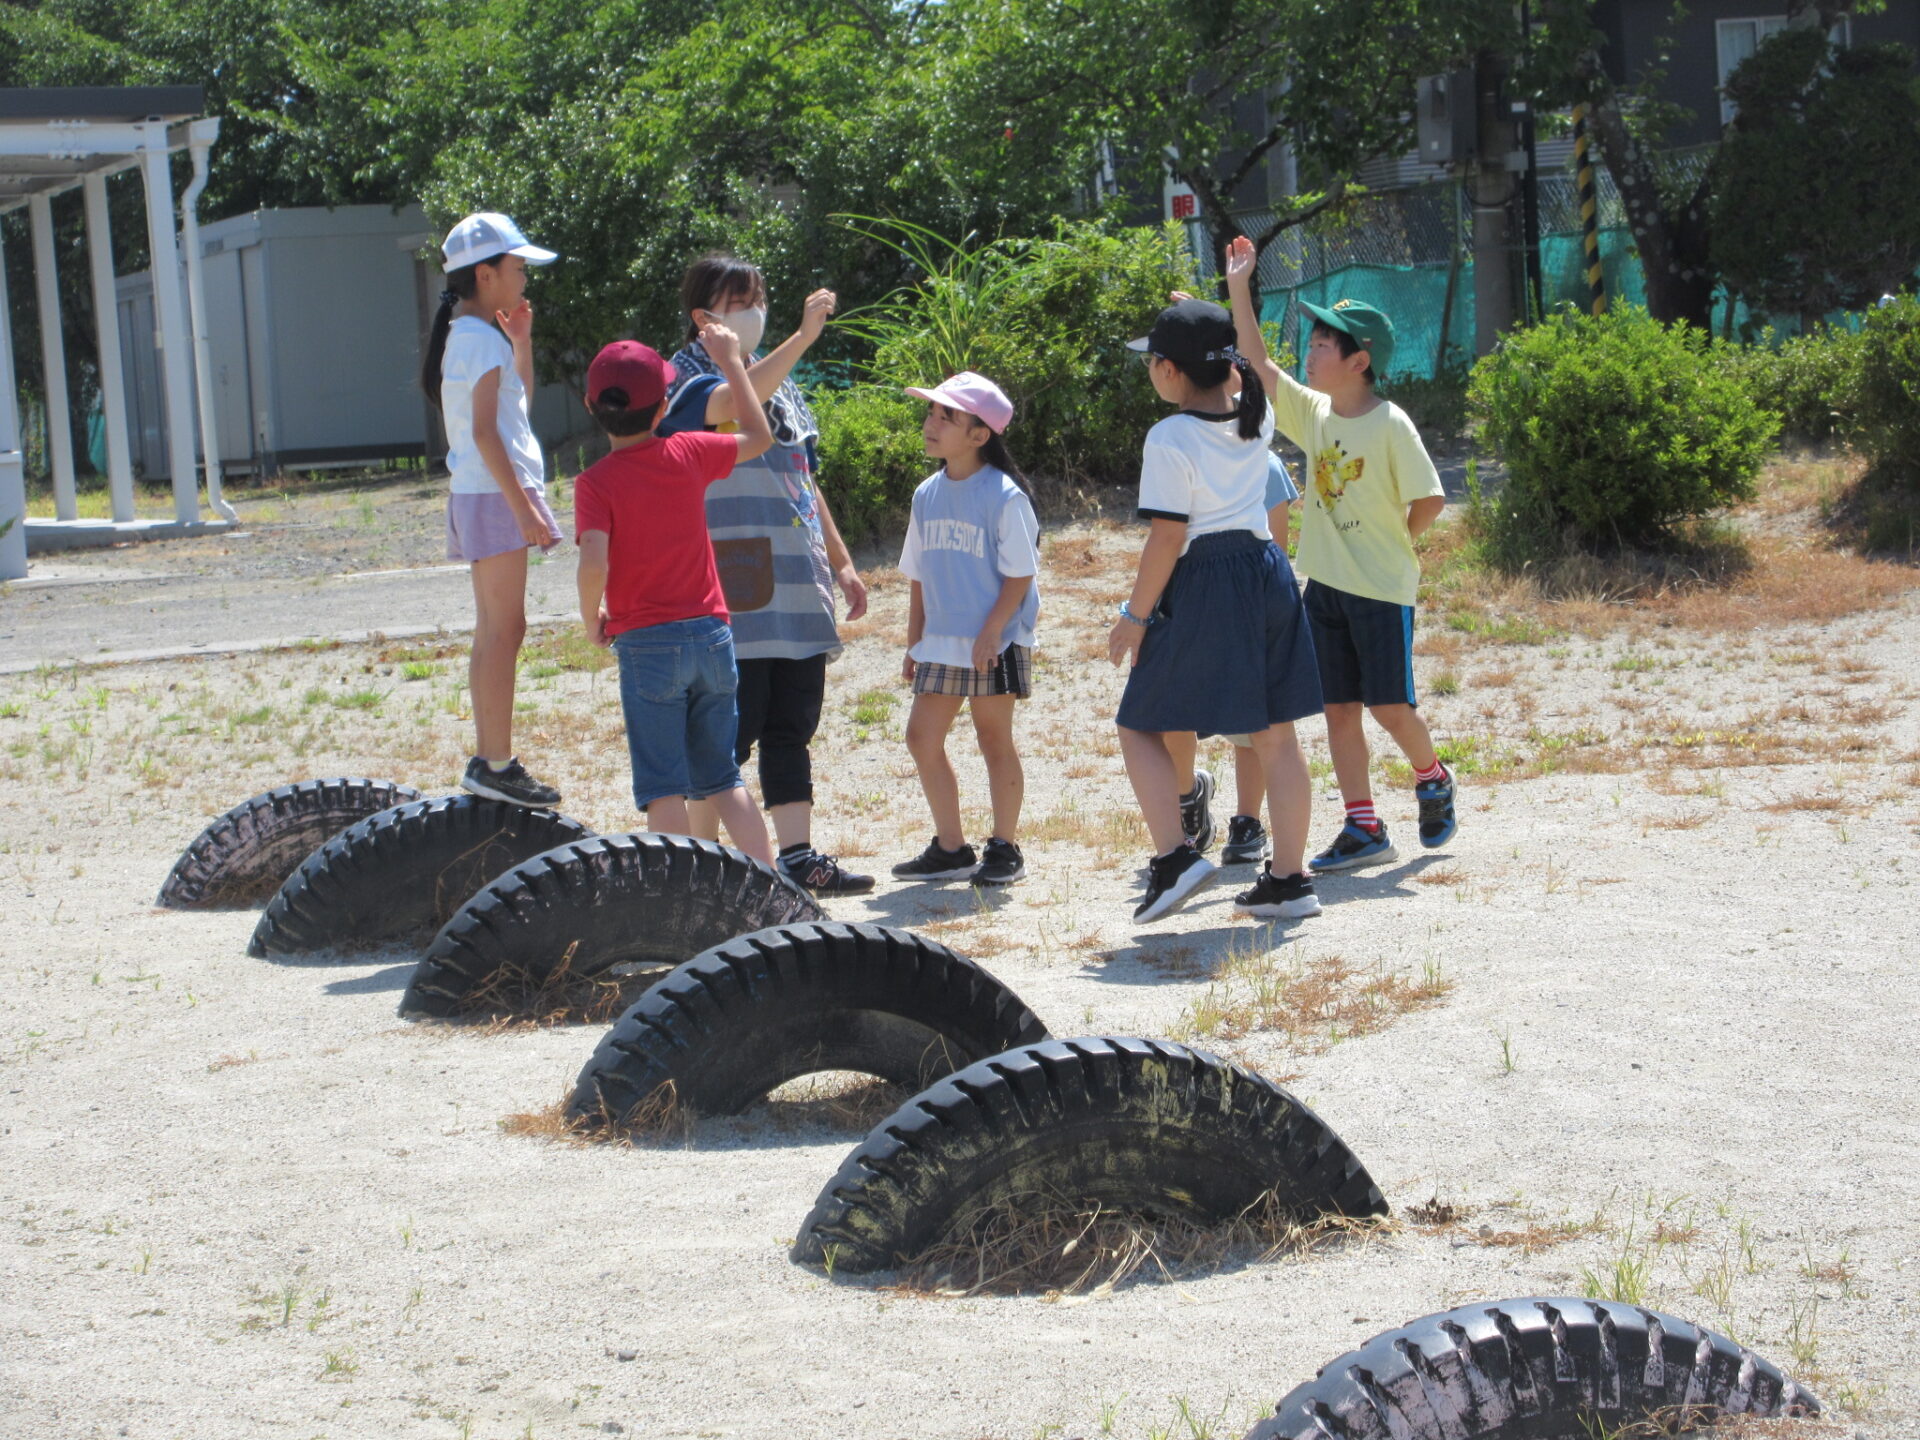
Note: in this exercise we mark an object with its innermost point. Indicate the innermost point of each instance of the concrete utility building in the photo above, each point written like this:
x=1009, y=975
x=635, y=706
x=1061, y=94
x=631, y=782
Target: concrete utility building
x=53, y=140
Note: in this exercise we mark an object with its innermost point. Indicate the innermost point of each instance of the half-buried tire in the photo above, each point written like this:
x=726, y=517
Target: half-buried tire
x=1141, y=1125
x=403, y=871
x=242, y=858
x=744, y=1018
x=582, y=908
x=1551, y=1369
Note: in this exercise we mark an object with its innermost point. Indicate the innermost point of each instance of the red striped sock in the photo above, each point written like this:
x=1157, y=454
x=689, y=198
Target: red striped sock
x=1438, y=772
x=1361, y=813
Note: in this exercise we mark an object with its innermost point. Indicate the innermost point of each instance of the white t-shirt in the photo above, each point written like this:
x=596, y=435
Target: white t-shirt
x=1201, y=471
x=959, y=573
x=473, y=348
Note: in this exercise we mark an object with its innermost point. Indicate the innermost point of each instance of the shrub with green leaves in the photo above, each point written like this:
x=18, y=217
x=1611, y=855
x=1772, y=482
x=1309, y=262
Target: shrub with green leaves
x=1887, y=421
x=1809, y=381
x=1613, y=429
x=871, y=456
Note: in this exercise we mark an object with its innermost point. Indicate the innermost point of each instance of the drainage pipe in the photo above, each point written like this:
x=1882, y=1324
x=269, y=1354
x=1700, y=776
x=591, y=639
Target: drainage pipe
x=200, y=137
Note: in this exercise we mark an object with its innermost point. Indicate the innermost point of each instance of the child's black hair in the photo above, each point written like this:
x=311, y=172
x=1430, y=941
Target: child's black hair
x=994, y=451
x=462, y=284
x=612, y=414
x=713, y=277
x=1251, y=412
x=1345, y=343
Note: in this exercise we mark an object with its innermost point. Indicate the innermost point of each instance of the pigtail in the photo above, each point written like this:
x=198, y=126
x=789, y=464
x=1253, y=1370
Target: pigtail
x=461, y=285
x=1252, y=410
x=994, y=452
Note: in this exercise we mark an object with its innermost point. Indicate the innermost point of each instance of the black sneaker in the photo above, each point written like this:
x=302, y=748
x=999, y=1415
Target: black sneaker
x=934, y=863
x=1171, y=880
x=1196, y=811
x=1273, y=898
x=1001, y=863
x=822, y=874
x=1436, y=810
x=1354, y=847
x=513, y=784
x=1246, y=841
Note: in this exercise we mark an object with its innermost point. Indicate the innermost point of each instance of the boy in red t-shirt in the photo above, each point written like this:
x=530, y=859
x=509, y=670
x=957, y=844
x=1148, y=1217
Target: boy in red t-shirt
x=649, y=589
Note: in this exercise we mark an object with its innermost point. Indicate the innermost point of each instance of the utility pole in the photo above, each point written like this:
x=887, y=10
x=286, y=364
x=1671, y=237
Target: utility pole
x=1492, y=188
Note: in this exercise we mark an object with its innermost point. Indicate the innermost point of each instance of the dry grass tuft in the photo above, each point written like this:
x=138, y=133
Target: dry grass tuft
x=1058, y=1248
x=835, y=1100
x=552, y=1123
x=1314, y=1003
x=1442, y=875
x=1828, y=803
x=1690, y=1420
x=513, y=1000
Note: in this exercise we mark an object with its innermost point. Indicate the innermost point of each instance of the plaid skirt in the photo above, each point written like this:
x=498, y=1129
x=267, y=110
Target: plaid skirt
x=1011, y=674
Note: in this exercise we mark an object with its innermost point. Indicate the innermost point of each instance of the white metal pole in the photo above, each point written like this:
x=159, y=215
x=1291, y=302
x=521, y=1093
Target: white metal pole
x=202, y=135
x=106, y=330
x=176, y=349
x=13, y=485
x=53, y=357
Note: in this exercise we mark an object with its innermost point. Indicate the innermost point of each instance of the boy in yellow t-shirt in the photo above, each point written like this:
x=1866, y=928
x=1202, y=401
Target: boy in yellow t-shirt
x=1370, y=491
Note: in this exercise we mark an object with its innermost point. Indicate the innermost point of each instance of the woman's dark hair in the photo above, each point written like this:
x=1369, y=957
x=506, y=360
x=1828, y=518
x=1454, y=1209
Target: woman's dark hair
x=462, y=284
x=1345, y=343
x=1251, y=413
x=611, y=413
x=714, y=277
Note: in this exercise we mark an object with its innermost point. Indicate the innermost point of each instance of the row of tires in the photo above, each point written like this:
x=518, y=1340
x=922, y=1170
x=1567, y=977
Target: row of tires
x=1004, y=1112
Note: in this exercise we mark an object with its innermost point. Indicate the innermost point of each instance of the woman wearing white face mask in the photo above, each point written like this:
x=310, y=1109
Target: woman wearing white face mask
x=778, y=552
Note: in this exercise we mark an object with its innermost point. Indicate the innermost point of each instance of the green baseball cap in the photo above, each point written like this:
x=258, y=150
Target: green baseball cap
x=1365, y=324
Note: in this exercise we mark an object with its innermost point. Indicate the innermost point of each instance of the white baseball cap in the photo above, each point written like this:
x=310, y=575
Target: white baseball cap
x=487, y=235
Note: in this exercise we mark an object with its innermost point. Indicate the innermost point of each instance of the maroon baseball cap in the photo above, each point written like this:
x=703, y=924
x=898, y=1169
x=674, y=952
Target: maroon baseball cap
x=629, y=366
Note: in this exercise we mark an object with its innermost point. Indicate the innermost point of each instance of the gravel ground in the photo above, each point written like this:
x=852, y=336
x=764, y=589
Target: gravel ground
x=1674, y=933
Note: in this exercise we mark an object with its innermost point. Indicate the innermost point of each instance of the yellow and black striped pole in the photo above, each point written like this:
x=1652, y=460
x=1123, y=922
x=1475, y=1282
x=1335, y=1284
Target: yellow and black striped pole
x=1589, y=208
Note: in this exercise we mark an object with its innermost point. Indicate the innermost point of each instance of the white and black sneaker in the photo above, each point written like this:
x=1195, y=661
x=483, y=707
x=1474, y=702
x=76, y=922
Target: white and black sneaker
x=1274, y=898
x=512, y=784
x=1246, y=841
x=934, y=863
x=1001, y=863
x=1171, y=880
x=821, y=874
x=1196, y=811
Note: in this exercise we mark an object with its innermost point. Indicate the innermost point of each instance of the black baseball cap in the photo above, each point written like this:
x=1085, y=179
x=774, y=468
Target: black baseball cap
x=1190, y=332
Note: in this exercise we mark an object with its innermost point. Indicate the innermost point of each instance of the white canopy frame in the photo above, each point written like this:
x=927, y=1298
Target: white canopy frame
x=55, y=140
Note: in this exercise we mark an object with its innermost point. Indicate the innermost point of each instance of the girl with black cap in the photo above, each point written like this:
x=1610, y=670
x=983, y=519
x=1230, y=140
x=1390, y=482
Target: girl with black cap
x=1213, y=628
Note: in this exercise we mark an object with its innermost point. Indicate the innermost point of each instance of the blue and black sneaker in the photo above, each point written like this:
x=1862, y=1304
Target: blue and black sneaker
x=1354, y=847
x=1436, y=810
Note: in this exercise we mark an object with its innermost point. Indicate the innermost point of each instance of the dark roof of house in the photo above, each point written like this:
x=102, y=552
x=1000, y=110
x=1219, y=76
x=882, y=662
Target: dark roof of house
x=113, y=104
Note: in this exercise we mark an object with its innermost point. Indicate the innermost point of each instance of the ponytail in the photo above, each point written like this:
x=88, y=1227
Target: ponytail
x=994, y=452
x=1252, y=411
x=461, y=285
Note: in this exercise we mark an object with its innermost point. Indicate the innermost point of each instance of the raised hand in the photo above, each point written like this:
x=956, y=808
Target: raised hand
x=720, y=342
x=517, y=323
x=1241, y=258
x=813, y=319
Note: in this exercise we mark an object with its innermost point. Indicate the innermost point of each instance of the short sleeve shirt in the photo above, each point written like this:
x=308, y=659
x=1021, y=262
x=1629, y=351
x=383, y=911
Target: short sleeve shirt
x=1197, y=469
x=474, y=348
x=964, y=538
x=650, y=499
x=1362, y=473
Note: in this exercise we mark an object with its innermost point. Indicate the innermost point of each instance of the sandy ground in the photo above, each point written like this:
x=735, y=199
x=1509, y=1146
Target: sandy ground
x=241, y=1199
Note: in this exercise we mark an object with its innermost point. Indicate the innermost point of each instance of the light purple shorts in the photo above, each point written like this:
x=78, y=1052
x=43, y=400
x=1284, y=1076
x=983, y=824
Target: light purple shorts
x=482, y=525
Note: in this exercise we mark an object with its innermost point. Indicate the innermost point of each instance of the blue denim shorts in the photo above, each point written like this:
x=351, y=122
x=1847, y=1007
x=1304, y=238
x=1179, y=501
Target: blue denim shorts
x=677, y=684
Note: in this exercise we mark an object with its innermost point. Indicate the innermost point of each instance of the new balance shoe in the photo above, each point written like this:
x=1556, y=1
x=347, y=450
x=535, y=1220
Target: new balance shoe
x=512, y=784
x=1246, y=841
x=1196, y=811
x=1436, y=810
x=1172, y=880
x=821, y=874
x=934, y=863
x=1354, y=847
x=1001, y=863
x=1274, y=898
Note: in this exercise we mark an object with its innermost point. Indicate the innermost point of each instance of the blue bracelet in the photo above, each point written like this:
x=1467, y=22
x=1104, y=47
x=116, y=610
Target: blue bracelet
x=1127, y=614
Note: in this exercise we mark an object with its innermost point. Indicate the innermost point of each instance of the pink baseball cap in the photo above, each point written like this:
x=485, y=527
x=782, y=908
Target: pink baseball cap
x=971, y=394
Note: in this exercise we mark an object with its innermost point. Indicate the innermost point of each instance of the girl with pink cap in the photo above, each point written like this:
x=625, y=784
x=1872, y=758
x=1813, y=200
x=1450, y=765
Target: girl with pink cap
x=971, y=553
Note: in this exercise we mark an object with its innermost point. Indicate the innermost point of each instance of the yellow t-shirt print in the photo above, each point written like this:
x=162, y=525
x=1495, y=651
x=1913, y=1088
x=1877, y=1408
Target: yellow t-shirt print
x=1333, y=472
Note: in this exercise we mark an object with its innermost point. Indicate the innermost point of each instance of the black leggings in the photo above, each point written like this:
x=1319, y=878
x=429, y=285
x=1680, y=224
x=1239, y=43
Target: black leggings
x=780, y=704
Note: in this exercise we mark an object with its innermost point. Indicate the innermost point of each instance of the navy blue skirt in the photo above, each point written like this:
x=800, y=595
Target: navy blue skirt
x=1229, y=651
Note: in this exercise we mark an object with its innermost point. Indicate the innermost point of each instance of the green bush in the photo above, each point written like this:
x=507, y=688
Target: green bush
x=1809, y=381
x=1045, y=319
x=870, y=456
x=1613, y=429
x=1887, y=421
